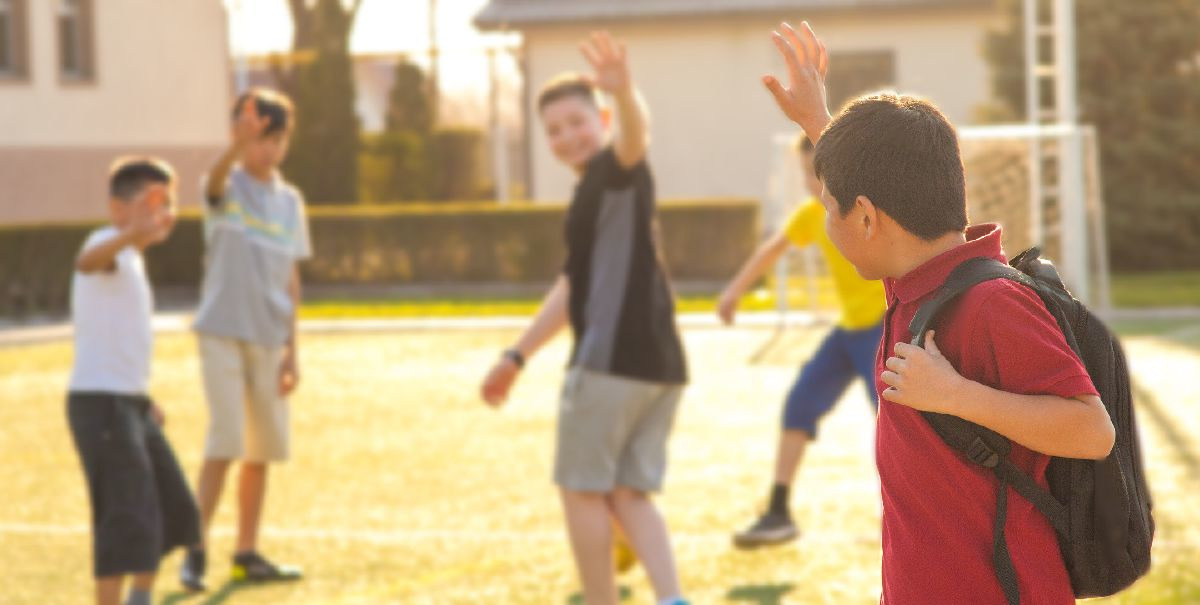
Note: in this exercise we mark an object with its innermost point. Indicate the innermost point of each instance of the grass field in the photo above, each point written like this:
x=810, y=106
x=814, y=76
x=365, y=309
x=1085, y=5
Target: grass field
x=1156, y=289
x=404, y=489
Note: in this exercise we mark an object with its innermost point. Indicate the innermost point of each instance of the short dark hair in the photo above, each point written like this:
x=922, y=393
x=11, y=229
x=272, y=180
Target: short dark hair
x=567, y=85
x=271, y=104
x=804, y=145
x=129, y=176
x=901, y=153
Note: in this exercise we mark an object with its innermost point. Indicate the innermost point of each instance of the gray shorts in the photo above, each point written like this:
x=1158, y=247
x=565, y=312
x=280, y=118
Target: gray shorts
x=612, y=431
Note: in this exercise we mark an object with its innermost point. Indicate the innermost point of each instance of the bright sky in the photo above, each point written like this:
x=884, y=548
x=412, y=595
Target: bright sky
x=265, y=26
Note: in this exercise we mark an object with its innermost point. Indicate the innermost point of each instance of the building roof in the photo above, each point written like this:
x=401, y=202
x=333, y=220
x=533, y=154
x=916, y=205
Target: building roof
x=517, y=13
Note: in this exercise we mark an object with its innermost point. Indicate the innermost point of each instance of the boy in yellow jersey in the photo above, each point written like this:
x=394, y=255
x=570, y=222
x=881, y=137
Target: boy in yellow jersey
x=848, y=351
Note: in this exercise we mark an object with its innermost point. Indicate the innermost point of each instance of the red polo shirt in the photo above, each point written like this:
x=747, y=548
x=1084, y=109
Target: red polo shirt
x=938, y=508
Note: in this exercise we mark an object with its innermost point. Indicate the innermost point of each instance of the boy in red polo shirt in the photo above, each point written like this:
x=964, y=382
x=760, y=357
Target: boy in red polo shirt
x=895, y=197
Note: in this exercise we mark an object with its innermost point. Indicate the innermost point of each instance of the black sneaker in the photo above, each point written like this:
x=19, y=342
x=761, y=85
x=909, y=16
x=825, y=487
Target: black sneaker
x=253, y=567
x=191, y=574
x=769, y=530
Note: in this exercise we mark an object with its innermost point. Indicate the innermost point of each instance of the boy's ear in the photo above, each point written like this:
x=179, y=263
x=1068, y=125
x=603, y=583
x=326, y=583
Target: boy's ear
x=869, y=216
x=606, y=116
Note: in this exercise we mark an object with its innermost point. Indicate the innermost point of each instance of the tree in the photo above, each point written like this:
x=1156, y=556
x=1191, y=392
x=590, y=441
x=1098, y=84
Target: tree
x=409, y=106
x=323, y=161
x=1139, y=84
x=396, y=164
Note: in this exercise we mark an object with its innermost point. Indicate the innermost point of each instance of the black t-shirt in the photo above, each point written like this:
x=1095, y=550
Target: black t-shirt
x=621, y=305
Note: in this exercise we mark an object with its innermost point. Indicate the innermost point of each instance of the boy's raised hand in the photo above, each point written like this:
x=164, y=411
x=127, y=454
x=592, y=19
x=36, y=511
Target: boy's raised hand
x=609, y=62
x=921, y=378
x=249, y=125
x=152, y=217
x=803, y=101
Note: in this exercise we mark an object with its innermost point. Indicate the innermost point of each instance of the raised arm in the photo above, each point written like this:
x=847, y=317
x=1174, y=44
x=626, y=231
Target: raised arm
x=550, y=318
x=610, y=63
x=803, y=101
x=148, y=224
x=248, y=127
x=102, y=256
x=763, y=258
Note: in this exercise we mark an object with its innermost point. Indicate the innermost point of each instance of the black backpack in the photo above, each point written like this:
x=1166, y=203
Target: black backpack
x=1100, y=510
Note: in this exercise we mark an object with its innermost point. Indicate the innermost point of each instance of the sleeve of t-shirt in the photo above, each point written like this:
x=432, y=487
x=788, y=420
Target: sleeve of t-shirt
x=1023, y=349
x=802, y=224
x=301, y=241
x=609, y=171
x=98, y=236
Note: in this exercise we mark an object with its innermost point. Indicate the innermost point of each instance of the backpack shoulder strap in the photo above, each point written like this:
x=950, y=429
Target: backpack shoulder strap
x=990, y=449
x=965, y=276
x=979, y=444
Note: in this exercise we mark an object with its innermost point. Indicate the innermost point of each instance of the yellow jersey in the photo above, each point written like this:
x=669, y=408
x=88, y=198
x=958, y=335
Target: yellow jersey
x=863, y=301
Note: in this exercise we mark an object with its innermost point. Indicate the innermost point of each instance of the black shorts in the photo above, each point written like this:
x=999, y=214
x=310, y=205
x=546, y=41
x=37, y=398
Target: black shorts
x=141, y=504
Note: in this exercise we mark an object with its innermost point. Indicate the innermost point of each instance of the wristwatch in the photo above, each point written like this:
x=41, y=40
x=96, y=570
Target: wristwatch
x=516, y=357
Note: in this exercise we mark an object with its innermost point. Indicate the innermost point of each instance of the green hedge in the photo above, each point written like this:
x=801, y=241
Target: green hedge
x=397, y=244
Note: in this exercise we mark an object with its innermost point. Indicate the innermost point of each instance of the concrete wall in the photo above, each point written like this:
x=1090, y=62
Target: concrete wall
x=162, y=85
x=712, y=120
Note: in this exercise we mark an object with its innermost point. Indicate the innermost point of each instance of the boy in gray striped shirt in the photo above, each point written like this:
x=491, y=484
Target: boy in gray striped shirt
x=256, y=231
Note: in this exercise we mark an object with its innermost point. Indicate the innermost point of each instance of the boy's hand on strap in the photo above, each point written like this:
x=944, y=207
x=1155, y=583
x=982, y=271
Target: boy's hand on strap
x=921, y=379
x=803, y=101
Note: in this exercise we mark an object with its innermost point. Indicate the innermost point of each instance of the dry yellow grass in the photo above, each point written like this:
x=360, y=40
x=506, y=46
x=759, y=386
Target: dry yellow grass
x=404, y=489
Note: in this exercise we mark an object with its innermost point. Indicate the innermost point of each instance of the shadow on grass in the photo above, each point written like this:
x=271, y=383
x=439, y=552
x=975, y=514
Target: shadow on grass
x=1146, y=401
x=760, y=594
x=625, y=593
x=212, y=598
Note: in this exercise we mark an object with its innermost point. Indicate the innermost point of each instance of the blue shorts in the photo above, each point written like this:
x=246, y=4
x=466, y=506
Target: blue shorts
x=843, y=355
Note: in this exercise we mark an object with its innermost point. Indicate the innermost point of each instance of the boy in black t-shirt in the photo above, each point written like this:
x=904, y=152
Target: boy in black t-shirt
x=627, y=367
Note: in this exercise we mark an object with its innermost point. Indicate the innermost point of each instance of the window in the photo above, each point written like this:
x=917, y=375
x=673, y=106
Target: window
x=75, y=39
x=13, y=64
x=858, y=72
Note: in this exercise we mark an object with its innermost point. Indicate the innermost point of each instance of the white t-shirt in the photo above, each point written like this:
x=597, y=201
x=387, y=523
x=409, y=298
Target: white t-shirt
x=112, y=312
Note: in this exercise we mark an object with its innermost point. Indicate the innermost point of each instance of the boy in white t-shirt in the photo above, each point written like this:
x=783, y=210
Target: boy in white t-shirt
x=140, y=501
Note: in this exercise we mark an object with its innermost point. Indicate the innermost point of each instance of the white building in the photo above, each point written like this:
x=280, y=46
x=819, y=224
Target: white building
x=83, y=81
x=699, y=64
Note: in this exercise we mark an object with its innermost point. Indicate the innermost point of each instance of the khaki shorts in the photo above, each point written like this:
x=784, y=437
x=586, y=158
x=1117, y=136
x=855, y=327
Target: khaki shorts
x=612, y=431
x=248, y=418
